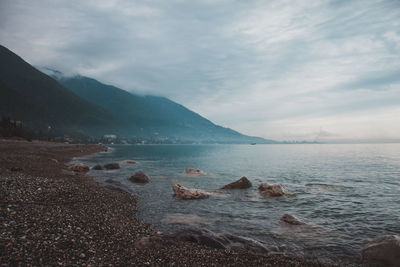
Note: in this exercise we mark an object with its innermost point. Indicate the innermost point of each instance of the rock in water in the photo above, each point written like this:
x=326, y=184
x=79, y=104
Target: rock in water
x=112, y=166
x=97, y=167
x=383, y=250
x=242, y=183
x=129, y=161
x=187, y=193
x=193, y=171
x=272, y=190
x=290, y=219
x=140, y=177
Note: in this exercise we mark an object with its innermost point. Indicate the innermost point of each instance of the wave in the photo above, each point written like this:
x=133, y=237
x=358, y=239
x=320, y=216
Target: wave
x=327, y=187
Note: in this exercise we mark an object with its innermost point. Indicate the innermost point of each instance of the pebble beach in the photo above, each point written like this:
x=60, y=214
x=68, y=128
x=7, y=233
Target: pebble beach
x=53, y=216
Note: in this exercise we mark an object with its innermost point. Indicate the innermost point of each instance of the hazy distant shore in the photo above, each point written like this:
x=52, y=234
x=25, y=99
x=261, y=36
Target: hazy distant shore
x=52, y=216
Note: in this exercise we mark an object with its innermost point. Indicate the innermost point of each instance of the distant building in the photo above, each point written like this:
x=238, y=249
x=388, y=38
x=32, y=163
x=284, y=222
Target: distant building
x=110, y=138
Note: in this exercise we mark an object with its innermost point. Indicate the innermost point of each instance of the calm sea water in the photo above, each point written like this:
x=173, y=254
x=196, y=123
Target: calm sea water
x=347, y=194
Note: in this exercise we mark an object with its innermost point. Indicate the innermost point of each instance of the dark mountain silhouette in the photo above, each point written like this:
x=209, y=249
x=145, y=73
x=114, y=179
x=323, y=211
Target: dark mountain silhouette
x=39, y=101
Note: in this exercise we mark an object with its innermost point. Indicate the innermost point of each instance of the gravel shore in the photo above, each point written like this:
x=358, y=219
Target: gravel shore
x=51, y=216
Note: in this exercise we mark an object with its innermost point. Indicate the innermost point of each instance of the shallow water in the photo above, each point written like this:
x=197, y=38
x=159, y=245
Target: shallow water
x=347, y=194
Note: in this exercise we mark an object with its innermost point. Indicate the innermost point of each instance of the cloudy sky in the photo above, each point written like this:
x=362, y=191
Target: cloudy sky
x=286, y=70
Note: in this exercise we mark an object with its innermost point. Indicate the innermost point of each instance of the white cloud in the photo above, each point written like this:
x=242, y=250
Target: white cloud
x=278, y=69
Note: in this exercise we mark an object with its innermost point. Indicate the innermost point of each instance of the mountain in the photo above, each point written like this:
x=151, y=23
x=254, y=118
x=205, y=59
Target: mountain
x=152, y=115
x=39, y=101
x=81, y=106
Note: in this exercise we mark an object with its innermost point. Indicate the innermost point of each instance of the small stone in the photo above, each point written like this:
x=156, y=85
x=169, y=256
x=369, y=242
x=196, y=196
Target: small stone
x=187, y=193
x=140, y=177
x=272, y=190
x=290, y=219
x=112, y=166
x=129, y=161
x=242, y=183
x=97, y=167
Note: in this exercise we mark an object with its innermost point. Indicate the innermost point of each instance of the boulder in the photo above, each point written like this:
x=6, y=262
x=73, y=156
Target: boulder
x=193, y=171
x=128, y=161
x=272, y=190
x=78, y=168
x=97, y=167
x=187, y=193
x=383, y=251
x=290, y=219
x=242, y=183
x=140, y=177
x=112, y=166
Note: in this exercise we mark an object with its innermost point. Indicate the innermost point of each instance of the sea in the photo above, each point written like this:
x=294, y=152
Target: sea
x=348, y=194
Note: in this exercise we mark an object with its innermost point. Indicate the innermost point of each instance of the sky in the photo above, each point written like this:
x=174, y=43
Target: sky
x=283, y=70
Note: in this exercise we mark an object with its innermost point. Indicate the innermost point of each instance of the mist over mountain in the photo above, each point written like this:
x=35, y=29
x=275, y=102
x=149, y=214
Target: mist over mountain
x=153, y=116
x=83, y=106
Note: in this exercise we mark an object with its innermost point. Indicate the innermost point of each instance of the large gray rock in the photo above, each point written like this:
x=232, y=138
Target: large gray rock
x=272, y=190
x=188, y=193
x=140, y=177
x=290, y=219
x=384, y=251
x=242, y=183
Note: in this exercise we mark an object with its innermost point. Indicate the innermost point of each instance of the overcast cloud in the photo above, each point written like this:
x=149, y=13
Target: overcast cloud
x=283, y=70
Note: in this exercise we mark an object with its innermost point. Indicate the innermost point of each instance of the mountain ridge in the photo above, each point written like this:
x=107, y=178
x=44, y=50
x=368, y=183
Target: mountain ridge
x=155, y=114
x=79, y=105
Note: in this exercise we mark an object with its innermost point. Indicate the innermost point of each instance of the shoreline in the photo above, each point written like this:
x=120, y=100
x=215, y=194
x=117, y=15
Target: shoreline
x=54, y=217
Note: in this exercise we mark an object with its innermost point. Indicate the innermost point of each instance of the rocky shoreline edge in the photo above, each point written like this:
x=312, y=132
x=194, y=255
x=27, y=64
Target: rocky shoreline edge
x=52, y=216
